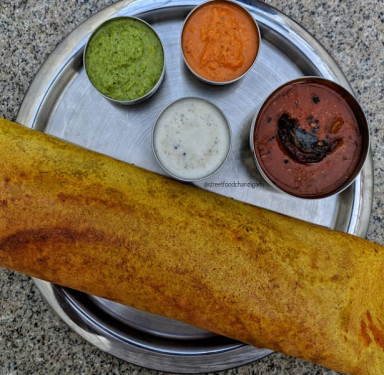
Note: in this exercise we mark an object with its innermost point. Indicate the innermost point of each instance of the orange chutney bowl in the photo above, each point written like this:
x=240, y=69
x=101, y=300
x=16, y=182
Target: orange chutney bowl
x=220, y=41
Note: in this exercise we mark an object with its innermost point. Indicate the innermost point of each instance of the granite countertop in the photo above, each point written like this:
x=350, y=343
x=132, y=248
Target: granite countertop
x=33, y=339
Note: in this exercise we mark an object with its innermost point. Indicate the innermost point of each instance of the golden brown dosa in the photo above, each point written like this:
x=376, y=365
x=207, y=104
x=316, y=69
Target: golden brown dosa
x=92, y=223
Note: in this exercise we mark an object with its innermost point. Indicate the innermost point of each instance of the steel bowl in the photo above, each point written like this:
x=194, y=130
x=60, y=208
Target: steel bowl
x=363, y=131
x=257, y=35
x=188, y=129
x=135, y=99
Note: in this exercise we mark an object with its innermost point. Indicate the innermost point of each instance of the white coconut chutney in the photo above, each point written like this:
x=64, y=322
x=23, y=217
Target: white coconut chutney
x=191, y=139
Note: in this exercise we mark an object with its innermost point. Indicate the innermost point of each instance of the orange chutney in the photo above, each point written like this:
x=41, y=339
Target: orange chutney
x=220, y=41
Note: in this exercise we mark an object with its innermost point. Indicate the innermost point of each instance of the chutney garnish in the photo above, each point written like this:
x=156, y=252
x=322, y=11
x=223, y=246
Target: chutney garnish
x=315, y=99
x=302, y=146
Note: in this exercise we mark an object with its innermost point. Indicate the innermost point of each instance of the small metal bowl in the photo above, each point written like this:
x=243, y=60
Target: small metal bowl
x=235, y=30
x=106, y=72
x=305, y=181
x=191, y=139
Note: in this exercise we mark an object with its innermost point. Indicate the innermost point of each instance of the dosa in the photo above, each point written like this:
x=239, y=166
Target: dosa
x=89, y=222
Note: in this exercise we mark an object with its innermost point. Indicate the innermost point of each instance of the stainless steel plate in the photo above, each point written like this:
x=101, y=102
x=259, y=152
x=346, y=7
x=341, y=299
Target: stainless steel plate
x=62, y=102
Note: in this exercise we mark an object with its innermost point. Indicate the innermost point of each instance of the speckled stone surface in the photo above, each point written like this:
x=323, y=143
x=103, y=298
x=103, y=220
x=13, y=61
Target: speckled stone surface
x=33, y=340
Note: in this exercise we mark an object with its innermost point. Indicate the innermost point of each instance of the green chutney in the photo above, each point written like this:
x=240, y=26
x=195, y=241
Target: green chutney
x=124, y=59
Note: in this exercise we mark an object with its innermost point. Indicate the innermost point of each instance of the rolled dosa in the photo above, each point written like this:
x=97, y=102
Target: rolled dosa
x=89, y=222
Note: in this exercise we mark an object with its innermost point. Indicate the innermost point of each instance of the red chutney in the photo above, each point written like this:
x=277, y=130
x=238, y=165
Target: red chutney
x=307, y=139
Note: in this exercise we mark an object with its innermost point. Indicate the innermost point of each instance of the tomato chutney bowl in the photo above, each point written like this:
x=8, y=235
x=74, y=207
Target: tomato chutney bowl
x=220, y=41
x=310, y=138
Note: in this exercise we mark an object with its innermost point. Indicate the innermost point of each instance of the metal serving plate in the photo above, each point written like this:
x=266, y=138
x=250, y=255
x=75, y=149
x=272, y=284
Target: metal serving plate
x=63, y=103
